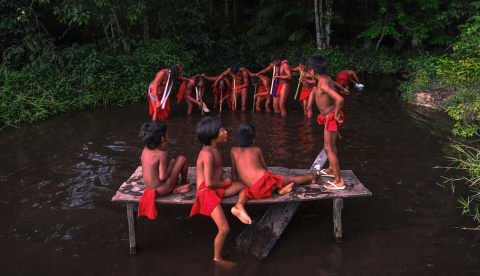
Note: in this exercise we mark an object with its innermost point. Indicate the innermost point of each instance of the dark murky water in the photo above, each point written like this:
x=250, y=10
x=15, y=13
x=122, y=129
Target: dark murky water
x=58, y=177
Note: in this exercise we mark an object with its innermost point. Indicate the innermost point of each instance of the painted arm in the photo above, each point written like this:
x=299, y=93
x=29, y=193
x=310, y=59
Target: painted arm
x=211, y=78
x=250, y=74
x=353, y=77
x=188, y=92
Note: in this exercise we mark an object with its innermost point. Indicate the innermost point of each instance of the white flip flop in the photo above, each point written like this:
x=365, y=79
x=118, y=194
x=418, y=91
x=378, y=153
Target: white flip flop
x=335, y=187
x=322, y=172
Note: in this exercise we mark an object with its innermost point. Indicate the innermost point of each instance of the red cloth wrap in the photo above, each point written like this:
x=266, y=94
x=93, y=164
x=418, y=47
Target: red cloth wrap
x=305, y=93
x=207, y=199
x=215, y=89
x=279, y=88
x=261, y=89
x=181, y=91
x=146, y=207
x=264, y=186
x=342, y=78
x=162, y=113
x=329, y=121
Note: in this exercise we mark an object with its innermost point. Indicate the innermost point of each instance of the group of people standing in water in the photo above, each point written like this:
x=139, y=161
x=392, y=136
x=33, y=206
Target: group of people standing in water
x=233, y=92
x=250, y=177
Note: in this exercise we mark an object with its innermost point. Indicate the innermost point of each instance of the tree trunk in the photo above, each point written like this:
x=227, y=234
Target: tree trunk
x=121, y=33
x=318, y=29
x=381, y=36
x=105, y=31
x=328, y=6
x=322, y=29
x=226, y=10
x=146, y=30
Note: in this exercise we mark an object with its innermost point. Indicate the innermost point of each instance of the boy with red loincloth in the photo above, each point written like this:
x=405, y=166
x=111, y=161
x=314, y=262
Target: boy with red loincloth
x=346, y=76
x=211, y=187
x=159, y=89
x=248, y=165
x=159, y=174
x=280, y=82
x=306, y=95
x=220, y=91
x=238, y=85
x=329, y=103
x=263, y=84
x=186, y=91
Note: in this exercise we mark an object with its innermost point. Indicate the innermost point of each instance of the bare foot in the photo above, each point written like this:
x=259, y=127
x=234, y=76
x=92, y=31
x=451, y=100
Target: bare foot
x=269, y=109
x=314, y=177
x=285, y=189
x=224, y=264
x=180, y=189
x=258, y=109
x=241, y=214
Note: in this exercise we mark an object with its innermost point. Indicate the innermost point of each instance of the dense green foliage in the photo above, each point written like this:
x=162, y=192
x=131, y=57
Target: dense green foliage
x=458, y=73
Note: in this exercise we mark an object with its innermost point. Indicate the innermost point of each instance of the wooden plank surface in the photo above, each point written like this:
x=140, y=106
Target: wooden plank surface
x=132, y=189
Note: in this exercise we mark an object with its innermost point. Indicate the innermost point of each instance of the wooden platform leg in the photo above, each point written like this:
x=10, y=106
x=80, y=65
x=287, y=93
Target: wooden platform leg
x=337, y=218
x=131, y=228
x=259, y=238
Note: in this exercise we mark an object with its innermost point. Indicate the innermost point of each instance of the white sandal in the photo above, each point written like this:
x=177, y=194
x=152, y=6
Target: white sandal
x=322, y=172
x=335, y=187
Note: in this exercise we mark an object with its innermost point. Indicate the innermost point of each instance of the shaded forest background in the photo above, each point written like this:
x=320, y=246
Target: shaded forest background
x=59, y=56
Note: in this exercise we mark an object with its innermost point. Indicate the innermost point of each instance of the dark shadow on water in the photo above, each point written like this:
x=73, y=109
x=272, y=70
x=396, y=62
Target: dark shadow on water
x=58, y=177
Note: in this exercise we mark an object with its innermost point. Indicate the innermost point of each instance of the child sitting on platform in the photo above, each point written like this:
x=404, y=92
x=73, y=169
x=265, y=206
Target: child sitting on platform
x=248, y=165
x=159, y=174
x=211, y=186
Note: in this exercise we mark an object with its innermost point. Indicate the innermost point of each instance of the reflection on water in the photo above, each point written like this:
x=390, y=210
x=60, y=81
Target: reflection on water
x=59, y=175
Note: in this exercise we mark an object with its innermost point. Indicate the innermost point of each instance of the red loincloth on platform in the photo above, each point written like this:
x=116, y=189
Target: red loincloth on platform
x=146, y=207
x=207, y=199
x=264, y=186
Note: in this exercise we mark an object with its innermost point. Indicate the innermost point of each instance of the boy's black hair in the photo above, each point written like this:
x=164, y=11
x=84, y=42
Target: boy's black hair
x=351, y=68
x=274, y=57
x=318, y=63
x=254, y=80
x=152, y=133
x=234, y=69
x=220, y=82
x=208, y=129
x=199, y=79
x=245, y=135
x=302, y=61
x=175, y=70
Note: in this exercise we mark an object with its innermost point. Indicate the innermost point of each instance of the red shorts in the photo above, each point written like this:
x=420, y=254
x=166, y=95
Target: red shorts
x=264, y=186
x=162, y=113
x=329, y=121
x=146, y=207
x=342, y=78
x=305, y=93
x=207, y=199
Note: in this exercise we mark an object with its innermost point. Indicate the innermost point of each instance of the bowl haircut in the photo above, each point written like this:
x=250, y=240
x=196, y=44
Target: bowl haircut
x=208, y=129
x=152, y=133
x=245, y=135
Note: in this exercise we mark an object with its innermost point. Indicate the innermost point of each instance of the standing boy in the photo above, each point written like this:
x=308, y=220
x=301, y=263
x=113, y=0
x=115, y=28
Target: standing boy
x=239, y=84
x=211, y=187
x=329, y=103
x=159, y=88
x=248, y=165
x=280, y=82
x=306, y=95
x=159, y=174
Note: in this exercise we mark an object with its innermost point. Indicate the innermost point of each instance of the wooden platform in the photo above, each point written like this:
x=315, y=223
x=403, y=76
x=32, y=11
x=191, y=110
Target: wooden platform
x=259, y=237
x=133, y=188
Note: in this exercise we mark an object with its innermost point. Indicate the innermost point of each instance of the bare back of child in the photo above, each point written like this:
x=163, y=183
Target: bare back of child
x=249, y=166
x=160, y=175
x=211, y=186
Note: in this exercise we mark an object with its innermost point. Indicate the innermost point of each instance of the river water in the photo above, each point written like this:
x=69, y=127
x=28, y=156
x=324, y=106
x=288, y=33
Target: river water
x=59, y=175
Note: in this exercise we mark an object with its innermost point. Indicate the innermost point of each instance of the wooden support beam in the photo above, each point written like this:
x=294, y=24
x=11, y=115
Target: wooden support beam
x=337, y=218
x=259, y=238
x=131, y=227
